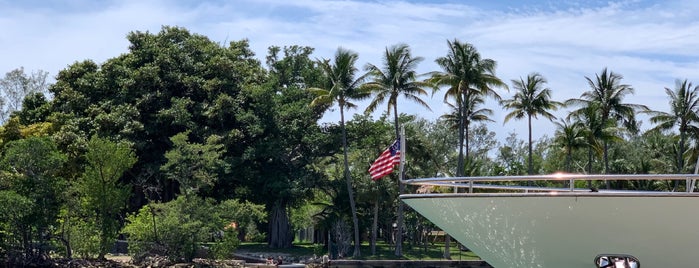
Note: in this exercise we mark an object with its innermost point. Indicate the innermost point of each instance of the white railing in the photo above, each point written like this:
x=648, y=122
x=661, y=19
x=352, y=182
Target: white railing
x=518, y=183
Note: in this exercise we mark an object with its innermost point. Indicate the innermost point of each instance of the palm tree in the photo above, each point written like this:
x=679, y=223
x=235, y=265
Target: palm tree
x=465, y=74
x=595, y=131
x=607, y=92
x=531, y=100
x=570, y=137
x=344, y=88
x=472, y=114
x=397, y=77
x=684, y=103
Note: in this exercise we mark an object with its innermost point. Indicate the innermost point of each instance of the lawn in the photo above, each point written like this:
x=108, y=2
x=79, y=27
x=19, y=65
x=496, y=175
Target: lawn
x=383, y=251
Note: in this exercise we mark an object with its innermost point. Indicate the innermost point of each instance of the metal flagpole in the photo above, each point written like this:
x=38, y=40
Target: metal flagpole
x=401, y=189
x=402, y=153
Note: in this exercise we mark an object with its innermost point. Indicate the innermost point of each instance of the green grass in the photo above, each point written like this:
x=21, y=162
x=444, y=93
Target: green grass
x=297, y=249
x=383, y=251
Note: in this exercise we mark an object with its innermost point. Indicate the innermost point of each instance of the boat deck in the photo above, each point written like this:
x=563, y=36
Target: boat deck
x=563, y=223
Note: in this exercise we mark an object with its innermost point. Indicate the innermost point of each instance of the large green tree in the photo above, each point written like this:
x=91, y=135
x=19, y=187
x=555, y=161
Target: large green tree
x=168, y=82
x=345, y=87
x=532, y=99
x=395, y=78
x=280, y=171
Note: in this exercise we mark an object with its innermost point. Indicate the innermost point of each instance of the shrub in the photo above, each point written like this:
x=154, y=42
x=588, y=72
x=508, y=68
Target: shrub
x=84, y=241
x=177, y=228
x=229, y=242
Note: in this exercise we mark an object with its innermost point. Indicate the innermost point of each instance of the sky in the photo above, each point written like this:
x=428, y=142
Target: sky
x=649, y=43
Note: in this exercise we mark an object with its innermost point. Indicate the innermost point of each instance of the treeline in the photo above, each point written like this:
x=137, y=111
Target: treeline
x=182, y=138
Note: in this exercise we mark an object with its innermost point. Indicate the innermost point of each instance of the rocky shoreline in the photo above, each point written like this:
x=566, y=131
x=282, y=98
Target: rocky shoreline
x=156, y=261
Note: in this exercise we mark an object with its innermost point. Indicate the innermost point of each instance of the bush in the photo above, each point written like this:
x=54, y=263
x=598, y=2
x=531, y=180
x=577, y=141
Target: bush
x=15, y=210
x=84, y=241
x=177, y=228
x=166, y=228
x=229, y=242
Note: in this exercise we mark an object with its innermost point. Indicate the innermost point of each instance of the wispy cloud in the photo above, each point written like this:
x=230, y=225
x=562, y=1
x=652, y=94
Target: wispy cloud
x=651, y=43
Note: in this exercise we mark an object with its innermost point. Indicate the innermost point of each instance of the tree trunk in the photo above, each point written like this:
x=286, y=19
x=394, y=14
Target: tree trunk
x=463, y=138
x=589, y=165
x=606, y=164
x=279, y=227
x=155, y=227
x=348, y=180
x=374, y=226
x=680, y=161
x=65, y=234
x=399, y=230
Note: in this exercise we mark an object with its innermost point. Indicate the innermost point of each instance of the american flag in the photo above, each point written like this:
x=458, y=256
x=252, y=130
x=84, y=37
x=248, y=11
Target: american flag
x=383, y=165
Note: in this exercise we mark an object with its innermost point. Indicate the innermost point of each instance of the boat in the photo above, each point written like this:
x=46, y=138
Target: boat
x=509, y=225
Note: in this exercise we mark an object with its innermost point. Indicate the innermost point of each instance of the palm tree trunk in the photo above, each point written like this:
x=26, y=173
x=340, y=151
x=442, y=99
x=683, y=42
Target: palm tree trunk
x=680, y=160
x=680, y=154
x=348, y=179
x=463, y=138
x=589, y=164
x=460, y=163
x=606, y=163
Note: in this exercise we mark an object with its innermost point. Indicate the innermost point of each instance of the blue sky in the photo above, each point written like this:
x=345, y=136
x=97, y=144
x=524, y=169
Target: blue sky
x=650, y=43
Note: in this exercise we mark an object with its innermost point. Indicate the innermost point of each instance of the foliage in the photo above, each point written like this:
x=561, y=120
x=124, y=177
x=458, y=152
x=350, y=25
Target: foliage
x=244, y=214
x=229, y=242
x=684, y=101
x=30, y=169
x=193, y=165
x=606, y=95
x=85, y=238
x=511, y=156
x=468, y=78
x=15, y=211
x=177, y=228
x=167, y=83
x=397, y=76
x=100, y=188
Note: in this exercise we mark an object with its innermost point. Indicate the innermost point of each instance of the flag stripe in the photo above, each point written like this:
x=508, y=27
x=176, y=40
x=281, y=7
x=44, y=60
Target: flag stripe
x=383, y=165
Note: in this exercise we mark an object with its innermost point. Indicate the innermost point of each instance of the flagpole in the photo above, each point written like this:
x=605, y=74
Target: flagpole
x=402, y=153
x=401, y=187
